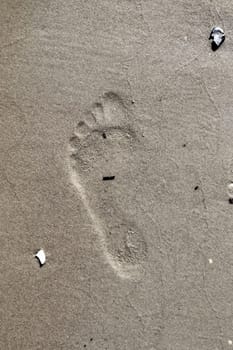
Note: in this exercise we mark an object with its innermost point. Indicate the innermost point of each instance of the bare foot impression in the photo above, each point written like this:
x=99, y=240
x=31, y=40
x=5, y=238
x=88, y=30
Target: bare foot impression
x=100, y=157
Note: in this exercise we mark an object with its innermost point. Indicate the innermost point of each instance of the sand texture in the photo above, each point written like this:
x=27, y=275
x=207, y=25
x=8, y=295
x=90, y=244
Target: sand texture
x=116, y=124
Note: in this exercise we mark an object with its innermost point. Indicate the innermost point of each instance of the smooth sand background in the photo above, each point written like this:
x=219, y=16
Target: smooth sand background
x=151, y=62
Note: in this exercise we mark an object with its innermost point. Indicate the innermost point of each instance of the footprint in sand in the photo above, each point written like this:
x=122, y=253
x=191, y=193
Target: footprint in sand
x=103, y=145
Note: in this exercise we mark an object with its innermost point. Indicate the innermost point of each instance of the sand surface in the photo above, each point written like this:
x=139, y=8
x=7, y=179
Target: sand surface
x=131, y=89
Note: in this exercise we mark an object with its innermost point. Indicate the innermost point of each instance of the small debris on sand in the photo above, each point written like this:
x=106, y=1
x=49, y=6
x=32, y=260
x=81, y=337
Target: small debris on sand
x=230, y=190
x=40, y=255
x=107, y=178
x=217, y=36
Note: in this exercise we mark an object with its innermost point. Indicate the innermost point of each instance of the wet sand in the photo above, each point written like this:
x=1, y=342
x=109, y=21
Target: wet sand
x=116, y=159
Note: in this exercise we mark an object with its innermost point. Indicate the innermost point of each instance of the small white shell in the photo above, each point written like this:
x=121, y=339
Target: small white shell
x=230, y=190
x=40, y=255
x=217, y=36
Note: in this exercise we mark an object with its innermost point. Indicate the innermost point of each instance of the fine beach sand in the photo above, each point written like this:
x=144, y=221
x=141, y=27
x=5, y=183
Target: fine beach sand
x=131, y=89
